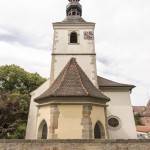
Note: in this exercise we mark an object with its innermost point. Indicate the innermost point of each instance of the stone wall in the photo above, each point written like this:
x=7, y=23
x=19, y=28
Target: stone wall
x=74, y=144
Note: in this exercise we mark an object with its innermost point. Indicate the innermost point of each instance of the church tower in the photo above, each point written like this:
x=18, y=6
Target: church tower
x=75, y=103
x=74, y=37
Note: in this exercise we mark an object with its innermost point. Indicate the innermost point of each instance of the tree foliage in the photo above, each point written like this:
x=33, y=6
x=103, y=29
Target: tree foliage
x=137, y=118
x=15, y=87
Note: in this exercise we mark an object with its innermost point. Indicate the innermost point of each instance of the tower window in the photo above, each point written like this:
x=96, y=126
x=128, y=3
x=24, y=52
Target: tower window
x=73, y=37
x=74, y=13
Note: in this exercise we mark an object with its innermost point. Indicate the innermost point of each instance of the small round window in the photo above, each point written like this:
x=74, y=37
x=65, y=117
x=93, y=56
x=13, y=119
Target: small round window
x=114, y=123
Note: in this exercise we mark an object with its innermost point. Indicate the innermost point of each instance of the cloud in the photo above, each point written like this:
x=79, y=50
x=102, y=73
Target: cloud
x=31, y=59
x=12, y=35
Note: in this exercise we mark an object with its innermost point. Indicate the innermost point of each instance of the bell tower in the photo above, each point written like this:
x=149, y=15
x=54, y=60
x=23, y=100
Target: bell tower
x=74, y=37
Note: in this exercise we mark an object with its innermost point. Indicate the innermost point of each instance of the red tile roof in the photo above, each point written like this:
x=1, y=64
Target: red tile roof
x=139, y=109
x=143, y=128
x=72, y=81
x=146, y=113
x=145, y=121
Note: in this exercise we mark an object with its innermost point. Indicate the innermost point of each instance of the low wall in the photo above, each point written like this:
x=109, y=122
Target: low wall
x=74, y=144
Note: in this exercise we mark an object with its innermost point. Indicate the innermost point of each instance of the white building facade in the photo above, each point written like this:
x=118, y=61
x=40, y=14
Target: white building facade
x=75, y=103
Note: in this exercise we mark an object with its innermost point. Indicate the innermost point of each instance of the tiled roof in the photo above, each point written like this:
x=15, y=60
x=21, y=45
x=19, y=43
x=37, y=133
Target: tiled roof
x=102, y=82
x=73, y=19
x=145, y=120
x=139, y=109
x=143, y=128
x=72, y=81
x=146, y=113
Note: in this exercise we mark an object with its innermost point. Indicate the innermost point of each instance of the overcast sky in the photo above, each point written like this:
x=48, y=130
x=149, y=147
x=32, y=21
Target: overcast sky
x=122, y=38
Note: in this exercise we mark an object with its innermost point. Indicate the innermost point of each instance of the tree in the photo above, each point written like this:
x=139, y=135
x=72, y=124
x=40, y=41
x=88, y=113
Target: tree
x=137, y=118
x=15, y=87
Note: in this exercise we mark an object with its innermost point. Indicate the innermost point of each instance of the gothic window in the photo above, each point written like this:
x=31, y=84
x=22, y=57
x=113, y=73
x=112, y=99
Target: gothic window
x=73, y=37
x=99, y=132
x=42, y=131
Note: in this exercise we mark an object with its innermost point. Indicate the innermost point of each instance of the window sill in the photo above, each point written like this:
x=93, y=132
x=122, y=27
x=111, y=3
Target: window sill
x=73, y=43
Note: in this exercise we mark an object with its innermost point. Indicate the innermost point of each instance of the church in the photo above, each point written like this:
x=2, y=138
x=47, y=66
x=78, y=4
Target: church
x=76, y=103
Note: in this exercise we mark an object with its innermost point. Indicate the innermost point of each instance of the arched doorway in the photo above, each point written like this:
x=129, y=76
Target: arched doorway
x=42, y=131
x=99, y=132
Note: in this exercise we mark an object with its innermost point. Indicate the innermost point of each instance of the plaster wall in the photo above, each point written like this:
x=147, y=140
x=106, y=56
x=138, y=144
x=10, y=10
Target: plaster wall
x=120, y=106
x=62, y=40
x=43, y=114
x=32, y=117
x=69, y=123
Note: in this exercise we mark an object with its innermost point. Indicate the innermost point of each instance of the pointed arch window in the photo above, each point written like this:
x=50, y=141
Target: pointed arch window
x=99, y=132
x=43, y=130
x=73, y=37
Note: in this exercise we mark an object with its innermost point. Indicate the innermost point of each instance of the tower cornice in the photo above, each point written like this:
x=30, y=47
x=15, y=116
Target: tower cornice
x=76, y=25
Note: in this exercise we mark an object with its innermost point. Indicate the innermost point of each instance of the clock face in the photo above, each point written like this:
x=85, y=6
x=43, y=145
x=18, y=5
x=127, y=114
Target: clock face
x=88, y=35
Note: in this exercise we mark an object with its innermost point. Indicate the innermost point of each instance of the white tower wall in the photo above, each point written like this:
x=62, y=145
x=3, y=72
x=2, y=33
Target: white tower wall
x=83, y=50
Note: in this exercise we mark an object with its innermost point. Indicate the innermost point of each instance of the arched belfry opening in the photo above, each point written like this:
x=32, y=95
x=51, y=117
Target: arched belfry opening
x=99, y=132
x=42, y=130
x=73, y=37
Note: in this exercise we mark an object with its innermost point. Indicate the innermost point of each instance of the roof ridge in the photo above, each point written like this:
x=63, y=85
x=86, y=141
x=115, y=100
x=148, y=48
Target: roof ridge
x=58, y=87
x=80, y=78
x=91, y=83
